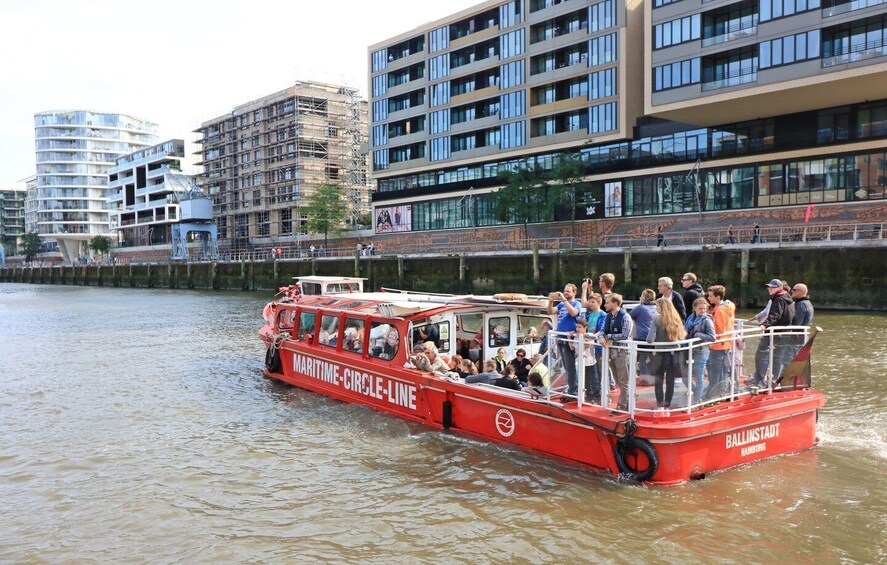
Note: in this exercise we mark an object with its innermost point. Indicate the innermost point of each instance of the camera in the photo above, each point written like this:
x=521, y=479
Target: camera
x=589, y=283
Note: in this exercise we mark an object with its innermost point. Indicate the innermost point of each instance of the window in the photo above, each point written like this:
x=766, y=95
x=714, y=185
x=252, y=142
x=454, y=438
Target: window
x=676, y=75
x=440, y=94
x=677, y=31
x=789, y=49
x=439, y=39
x=510, y=14
x=380, y=110
x=772, y=9
x=329, y=330
x=439, y=66
x=602, y=50
x=380, y=85
x=352, y=335
x=602, y=118
x=602, y=16
x=513, y=135
x=306, y=324
x=440, y=121
x=500, y=331
x=513, y=104
x=602, y=84
x=511, y=74
x=511, y=44
x=384, y=341
x=440, y=148
x=380, y=60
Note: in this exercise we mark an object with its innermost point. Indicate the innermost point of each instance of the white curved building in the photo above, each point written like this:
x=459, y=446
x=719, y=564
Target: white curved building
x=75, y=149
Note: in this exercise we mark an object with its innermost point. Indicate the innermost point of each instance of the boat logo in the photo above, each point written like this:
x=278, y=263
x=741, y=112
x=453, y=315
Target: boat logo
x=505, y=423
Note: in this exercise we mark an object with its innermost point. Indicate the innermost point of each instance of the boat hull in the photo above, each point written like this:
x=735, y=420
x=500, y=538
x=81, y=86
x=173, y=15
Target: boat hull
x=686, y=445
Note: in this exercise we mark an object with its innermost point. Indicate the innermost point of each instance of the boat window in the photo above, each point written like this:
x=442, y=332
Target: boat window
x=500, y=330
x=310, y=288
x=329, y=330
x=352, y=335
x=384, y=340
x=529, y=329
x=342, y=287
x=438, y=333
x=306, y=324
x=285, y=320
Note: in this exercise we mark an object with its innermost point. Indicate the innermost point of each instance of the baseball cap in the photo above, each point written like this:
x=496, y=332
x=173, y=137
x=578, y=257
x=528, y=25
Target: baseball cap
x=775, y=283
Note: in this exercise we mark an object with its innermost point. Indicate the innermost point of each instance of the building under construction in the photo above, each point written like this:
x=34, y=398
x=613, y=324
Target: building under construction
x=263, y=160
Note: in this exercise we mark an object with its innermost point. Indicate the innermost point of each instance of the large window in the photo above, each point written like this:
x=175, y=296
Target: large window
x=789, y=49
x=773, y=9
x=677, y=31
x=601, y=16
x=602, y=50
x=676, y=75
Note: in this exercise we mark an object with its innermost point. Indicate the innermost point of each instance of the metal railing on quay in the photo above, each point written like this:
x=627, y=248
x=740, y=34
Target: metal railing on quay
x=779, y=235
x=514, y=245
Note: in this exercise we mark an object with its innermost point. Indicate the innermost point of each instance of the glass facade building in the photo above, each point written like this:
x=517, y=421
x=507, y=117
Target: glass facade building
x=742, y=105
x=75, y=149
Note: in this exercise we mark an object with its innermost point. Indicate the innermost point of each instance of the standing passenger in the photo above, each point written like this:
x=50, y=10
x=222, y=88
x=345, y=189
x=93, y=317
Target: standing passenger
x=692, y=291
x=567, y=311
x=666, y=328
x=666, y=289
x=699, y=325
x=721, y=352
x=616, y=331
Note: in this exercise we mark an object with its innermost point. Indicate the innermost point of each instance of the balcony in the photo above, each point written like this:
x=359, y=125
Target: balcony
x=738, y=30
x=743, y=76
x=845, y=7
x=856, y=53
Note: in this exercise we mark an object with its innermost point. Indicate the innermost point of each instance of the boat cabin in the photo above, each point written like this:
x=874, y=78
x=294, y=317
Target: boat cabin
x=319, y=285
x=387, y=325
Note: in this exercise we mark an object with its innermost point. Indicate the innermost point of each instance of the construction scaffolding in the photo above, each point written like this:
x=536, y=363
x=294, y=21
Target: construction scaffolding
x=265, y=159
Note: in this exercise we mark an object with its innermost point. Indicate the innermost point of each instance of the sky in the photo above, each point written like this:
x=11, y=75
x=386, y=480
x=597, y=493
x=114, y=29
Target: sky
x=179, y=63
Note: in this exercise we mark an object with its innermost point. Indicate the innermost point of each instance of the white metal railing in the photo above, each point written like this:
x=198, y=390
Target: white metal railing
x=769, y=351
x=782, y=235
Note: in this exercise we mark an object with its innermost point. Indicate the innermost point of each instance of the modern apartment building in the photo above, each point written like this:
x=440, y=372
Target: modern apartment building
x=263, y=160
x=143, y=193
x=75, y=149
x=459, y=99
x=12, y=218
x=746, y=105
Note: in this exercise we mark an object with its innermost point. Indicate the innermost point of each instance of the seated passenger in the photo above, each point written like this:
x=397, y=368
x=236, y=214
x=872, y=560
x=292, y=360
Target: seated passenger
x=418, y=359
x=466, y=368
x=540, y=369
x=499, y=360
x=535, y=387
x=474, y=351
x=521, y=365
x=391, y=345
x=508, y=379
x=437, y=365
x=455, y=362
x=489, y=375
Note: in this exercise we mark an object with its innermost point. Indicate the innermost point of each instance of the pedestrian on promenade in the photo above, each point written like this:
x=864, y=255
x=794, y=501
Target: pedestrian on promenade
x=660, y=237
x=730, y=240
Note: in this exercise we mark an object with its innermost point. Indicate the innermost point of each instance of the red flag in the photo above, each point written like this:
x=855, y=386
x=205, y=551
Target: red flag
x=808, y=213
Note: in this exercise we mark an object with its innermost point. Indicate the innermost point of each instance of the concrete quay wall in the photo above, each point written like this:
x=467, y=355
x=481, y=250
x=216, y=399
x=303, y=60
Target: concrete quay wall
x=838, y=277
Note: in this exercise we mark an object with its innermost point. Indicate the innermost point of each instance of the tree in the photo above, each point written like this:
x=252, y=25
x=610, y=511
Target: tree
x=31, y=245
x=100, y=244
x=325, y=211
x=523, y=190
x=569, y=171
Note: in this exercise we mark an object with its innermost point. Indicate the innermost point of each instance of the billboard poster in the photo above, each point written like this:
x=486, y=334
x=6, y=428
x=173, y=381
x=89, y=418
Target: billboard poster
x=392, y=219
x=613, y=199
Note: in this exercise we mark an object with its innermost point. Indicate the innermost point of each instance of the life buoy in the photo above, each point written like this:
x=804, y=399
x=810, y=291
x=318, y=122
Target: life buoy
x=509, y=296
x=627, y=451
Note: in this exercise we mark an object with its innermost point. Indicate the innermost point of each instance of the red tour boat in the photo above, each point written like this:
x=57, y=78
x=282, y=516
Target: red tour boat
x=326, y=335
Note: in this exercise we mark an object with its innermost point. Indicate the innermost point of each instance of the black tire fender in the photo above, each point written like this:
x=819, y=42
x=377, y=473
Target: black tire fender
x=272, y=359
x=627, y=445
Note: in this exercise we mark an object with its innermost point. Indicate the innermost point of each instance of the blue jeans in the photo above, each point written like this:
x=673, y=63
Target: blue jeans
x=718, y=366
x=700, y=358
x=592, y=385
x=568, y=359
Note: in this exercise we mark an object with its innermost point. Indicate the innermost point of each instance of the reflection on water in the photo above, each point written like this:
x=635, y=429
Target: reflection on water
x=136, y=424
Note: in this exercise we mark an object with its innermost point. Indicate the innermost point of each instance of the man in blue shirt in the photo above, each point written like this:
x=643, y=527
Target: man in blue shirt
x=567, y=311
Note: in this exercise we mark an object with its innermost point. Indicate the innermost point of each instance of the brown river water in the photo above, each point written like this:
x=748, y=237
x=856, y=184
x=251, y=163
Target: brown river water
x=137, y=428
